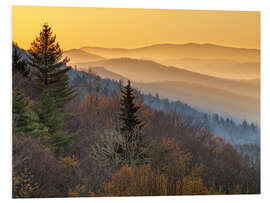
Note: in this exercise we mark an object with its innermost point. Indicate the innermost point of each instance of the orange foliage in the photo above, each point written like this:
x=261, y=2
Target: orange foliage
x=146, y=181
x=135, y=181
x=69, y=164
x=193, y=183
x=77, y=191
x=23, y=184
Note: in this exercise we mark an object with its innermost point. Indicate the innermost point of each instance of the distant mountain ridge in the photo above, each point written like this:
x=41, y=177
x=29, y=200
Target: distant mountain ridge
x=222, y=68
x=149, y=71
x=207, y=98
x=104, y=73
x=250, y=104
x=234, y=98
x=77, y=55
x=173, y=51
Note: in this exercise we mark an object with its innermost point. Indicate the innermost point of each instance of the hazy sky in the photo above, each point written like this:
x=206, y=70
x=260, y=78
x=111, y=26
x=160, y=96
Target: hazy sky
x=131, y=28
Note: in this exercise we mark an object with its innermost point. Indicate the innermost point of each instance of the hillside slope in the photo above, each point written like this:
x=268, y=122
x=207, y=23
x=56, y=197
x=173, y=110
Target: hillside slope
x=217, y=67
x=77, y=55
x=208, y=99
x=149, y=71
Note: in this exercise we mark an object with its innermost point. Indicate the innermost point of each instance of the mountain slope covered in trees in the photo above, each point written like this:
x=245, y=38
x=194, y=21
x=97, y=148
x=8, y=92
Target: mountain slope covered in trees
x=108, y=87
x=239, y=99
x=177, y=140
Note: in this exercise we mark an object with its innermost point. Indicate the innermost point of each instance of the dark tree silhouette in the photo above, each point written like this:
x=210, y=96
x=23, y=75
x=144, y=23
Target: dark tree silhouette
x=49, y=69
x=128, y=112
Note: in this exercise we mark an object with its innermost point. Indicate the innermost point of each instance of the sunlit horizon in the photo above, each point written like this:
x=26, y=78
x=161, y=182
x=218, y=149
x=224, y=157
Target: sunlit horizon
x=135, y=28
x=147, y=45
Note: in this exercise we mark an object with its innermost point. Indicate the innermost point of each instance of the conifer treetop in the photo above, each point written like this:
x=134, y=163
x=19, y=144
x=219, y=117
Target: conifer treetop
x=46, y=51
x=128, y=111
x=49, y=67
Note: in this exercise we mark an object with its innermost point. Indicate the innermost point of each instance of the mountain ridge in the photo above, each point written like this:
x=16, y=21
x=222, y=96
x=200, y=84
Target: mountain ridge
x=171, y=44
x=139, y=70
x=211, y=99
x=78, y=55
x=159, y=52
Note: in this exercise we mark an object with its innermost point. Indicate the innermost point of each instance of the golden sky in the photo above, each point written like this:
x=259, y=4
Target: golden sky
x=131, y=28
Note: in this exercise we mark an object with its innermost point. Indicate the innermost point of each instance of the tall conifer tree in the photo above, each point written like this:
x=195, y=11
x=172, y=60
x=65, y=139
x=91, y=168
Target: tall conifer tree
x=136, y=146
x=48, y=67
x=128, y=112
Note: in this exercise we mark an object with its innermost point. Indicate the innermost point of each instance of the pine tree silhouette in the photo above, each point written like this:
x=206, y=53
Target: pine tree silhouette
x=128, y=112
x=49, y=69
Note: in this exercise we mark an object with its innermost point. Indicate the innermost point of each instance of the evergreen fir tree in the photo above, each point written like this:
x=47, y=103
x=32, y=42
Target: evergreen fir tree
x=63, y=92
x=20, y=108
x=18, y=64
x=245, y=124
x=128, y=111
x=49, y=69
x=136, y=146
x=23, y=120
x=48, y=114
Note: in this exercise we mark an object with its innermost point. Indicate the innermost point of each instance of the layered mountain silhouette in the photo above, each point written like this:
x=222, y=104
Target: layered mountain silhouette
x=209, y=59
x=177, y=51
x=104, y=73
x=208, y=77
x=239, y=99
x=146, y=71
x=77, y=56
x=208, y=98
x=218, y=67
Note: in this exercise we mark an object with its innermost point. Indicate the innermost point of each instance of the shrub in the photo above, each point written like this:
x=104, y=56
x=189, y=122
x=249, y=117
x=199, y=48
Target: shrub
x=113, y=149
